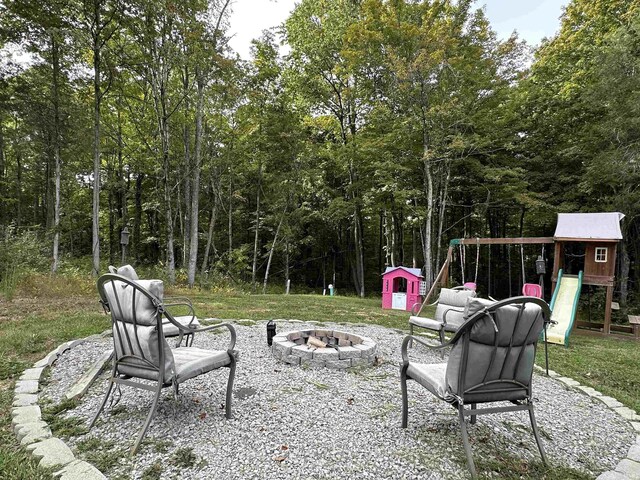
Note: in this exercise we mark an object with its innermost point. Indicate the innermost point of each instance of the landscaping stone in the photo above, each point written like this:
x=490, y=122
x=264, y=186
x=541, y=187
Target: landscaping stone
x=636, y=426
x=610, y=401
x=26, y=386
x=634, y=453
x=28, y=414
x=612, y=476
x=52, y=452
x=32, y=432
x=82, y=385
x=32, y=374
x=568, y=381
x=25, y=399
x=79, y=470
x=630, y=468
x=589, y=391
x=625, y=412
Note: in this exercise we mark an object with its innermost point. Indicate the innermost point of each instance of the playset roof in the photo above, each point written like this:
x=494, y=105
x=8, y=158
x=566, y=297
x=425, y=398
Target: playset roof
x=589, y=226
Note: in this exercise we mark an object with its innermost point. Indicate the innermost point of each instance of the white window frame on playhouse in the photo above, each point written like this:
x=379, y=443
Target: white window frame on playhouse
x=601, y=254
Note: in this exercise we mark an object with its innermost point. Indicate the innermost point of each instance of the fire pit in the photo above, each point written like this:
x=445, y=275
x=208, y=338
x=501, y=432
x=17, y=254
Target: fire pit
x=324, y=348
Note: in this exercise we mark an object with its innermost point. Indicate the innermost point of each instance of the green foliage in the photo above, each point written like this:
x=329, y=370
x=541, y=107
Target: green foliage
x=20, y=254
x=184, y=457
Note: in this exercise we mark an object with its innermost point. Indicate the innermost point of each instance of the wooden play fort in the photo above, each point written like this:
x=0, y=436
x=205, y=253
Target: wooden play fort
x=585, y=247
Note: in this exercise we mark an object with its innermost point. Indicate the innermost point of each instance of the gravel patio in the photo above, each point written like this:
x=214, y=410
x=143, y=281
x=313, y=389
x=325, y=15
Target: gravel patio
x=300, y=422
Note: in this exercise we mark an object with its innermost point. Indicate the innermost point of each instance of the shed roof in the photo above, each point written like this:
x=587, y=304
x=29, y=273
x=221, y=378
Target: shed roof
x=416, y=272
x=597, y=226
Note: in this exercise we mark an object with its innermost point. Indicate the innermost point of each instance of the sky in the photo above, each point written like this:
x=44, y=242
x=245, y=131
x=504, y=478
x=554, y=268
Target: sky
x=532, y=19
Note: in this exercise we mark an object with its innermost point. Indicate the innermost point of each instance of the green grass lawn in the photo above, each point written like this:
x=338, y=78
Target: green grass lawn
x=36, y=321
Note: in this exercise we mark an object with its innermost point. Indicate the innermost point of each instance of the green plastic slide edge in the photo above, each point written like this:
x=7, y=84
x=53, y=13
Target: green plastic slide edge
x=555, y=292
x=453, y=242
x=574, y=310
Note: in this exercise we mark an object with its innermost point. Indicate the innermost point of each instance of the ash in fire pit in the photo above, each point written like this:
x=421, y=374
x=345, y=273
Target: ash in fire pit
x=324, y=348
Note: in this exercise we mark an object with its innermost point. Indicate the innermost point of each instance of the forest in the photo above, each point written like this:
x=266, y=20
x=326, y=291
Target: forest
x=387, y=128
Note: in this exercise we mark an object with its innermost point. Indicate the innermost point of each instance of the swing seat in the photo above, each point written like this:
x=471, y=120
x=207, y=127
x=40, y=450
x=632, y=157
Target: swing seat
x=532, y=290
x=450, y=309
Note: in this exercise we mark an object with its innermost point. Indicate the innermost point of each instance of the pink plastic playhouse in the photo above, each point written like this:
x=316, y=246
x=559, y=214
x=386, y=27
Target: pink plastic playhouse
x=401, y=288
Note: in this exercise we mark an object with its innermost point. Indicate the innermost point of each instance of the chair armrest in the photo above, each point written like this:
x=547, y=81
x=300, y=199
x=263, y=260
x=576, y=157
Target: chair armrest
x=177, y=303
x=190, y=330
x=409, y=338
x=455, y=309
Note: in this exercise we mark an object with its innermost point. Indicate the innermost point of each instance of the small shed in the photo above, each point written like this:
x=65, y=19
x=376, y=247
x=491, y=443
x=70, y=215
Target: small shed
x=588, y=242
x=401, y=288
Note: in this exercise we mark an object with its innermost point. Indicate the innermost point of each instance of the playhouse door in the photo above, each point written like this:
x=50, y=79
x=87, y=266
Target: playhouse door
x=399, y=301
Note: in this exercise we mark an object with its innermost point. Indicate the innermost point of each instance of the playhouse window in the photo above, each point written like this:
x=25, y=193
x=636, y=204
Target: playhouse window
x=601, y=254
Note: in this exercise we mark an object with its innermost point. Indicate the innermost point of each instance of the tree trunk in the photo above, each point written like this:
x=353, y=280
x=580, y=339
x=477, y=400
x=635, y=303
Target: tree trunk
x=212, y=223
x=97, y=98
x=428, y=224
x=625, y=264
x=137, y=218
x=195, y=195
x=3, y=213
x=254, y=267
x=186, y=216
x=444, y=192
x=56, y=150
x=230, y=223
x=273, y=247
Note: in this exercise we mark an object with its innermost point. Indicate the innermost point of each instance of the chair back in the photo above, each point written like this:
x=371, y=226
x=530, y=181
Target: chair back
x=451, y=304
x=494, y=350
x=136, y=319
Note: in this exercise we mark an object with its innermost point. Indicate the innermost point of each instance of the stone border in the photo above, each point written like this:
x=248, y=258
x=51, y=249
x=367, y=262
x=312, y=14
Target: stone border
x=34, y=433
x=629, y=467
x=351, y=350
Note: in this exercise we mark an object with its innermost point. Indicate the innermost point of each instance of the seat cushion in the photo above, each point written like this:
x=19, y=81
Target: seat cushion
x=170, y=330
x=425, y=323
x=192, y=361
x=432, y=377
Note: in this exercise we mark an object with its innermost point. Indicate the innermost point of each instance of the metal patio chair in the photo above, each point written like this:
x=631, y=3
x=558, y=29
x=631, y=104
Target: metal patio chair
x=169, y=304
x=491, y=360
x=449, y=315
x=141, y=351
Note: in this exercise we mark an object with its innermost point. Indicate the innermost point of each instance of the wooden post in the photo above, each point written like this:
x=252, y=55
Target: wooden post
x=607, y=310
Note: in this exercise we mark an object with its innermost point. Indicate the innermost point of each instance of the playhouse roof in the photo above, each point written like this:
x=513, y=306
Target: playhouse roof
x=416, y=272
x=589, y=226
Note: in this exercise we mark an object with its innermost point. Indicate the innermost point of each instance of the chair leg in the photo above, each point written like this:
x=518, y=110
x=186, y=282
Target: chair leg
x=232, y=374
x=442, y=340
x=104, y=402
x=465, y=442
x=473, y=417
x=147, y=422
x=405, y=399
x=534, y=427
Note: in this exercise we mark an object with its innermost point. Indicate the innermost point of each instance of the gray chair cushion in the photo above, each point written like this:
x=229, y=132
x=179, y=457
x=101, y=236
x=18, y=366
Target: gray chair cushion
x=425, y=322
x=170, y=330
x=455, y=298
x=142, y=342
x=432, y=377
x=519, y=330
x=120, y=297
x=128, y=271
x=192, y=361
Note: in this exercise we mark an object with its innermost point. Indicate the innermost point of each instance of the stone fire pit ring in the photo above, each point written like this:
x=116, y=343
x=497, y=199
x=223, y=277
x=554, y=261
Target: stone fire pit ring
x=343, y=350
